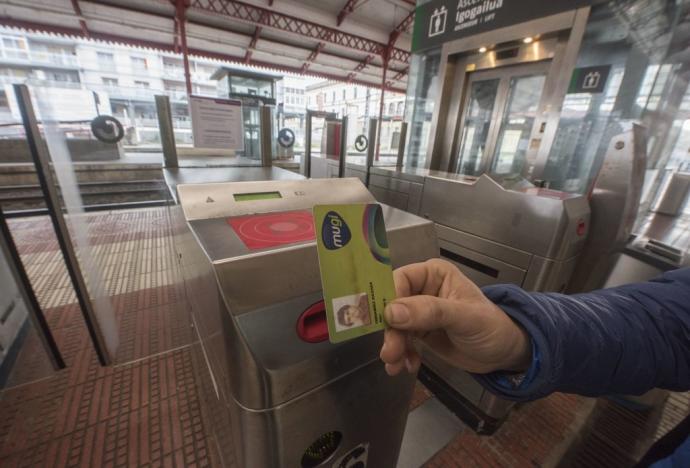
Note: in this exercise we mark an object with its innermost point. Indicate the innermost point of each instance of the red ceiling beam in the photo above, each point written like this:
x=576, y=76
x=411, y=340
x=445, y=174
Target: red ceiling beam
x=261, y=16
x=400, y=28
x=239, y=33
x=67, y=31
x=181, y=7
x=390, y=48
x=360, y=66
x=114, y=38
x=349, y=7
x=252, y=44
x=284, y=68
x=312, y=57
x=399, y=76
x=82, y=21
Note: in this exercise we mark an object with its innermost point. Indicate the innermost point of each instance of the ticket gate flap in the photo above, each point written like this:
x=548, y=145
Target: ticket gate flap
x=484, y=208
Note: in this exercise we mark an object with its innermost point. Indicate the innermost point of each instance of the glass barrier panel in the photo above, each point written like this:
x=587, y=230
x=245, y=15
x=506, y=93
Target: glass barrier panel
x=125, y=250
x=422, y=89
x=24, y=357
x=480, y=107
x=389, y=141
x=516, y=125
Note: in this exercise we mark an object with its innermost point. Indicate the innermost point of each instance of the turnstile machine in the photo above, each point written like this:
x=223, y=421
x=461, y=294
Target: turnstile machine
x=289, y=397
x=330, y=163
x=496, y=230
x=522, y=235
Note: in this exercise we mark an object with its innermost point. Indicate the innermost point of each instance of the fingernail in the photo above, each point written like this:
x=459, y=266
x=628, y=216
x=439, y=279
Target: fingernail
x=408, y=365
x=397, y=314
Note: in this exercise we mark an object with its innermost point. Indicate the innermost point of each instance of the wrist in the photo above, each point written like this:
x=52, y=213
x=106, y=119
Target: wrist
x=519, y=349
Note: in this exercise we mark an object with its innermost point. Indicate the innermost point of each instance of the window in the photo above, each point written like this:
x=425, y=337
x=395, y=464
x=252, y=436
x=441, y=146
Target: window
x=64, y=77
x=106, y=61
x=14, y=47
x=15, y=73
x=142, y=84
x=4, y=102
x=202, y=90
x=110, y=82
x=172, y=86
x=354, y=92
x=344, y=94
x=391, y=108
x=333, y=96
x=399, y=109
x=139, y=63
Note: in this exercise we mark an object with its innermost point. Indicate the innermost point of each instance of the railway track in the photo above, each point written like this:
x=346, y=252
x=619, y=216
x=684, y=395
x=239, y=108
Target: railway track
x=17, y=200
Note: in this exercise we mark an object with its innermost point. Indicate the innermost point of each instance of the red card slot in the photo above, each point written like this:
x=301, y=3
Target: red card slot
x=312, y=325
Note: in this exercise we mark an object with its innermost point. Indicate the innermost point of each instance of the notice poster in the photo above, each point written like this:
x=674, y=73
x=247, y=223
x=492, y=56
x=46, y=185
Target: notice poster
x=216, y=123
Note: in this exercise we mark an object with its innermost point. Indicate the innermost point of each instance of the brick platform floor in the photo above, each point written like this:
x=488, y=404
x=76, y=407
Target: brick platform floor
x=151, y=407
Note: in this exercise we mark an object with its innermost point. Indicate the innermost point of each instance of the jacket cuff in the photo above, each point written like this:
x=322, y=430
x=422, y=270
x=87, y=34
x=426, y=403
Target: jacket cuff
x=538, y=381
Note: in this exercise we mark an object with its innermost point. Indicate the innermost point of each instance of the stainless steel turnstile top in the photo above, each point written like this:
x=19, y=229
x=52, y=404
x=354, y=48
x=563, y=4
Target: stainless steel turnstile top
x=205, y=201
x=204, y=175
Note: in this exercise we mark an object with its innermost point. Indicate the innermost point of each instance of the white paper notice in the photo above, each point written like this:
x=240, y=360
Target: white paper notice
x=217, y=123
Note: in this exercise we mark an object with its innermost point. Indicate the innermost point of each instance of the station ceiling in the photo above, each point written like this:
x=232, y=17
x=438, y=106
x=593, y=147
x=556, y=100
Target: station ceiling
x=344, y=40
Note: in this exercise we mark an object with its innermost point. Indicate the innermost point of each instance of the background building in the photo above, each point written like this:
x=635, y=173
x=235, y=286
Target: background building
x=360, y=104
x=125, y=81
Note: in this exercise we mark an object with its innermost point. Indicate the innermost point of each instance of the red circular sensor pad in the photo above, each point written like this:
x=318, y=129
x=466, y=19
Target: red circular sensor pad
x=264, y=231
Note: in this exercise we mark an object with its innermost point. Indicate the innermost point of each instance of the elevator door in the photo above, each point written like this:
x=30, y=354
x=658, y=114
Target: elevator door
x=497, y=119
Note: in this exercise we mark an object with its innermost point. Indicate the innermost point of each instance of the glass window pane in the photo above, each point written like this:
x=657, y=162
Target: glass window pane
x=422, y=88
x=517, y=123
x=475, y=132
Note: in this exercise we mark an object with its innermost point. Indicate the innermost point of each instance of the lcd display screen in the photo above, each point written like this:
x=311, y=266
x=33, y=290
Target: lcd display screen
x=256, y=196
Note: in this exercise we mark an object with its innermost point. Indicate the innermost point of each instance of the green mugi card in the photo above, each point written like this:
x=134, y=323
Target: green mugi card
x=355, y=265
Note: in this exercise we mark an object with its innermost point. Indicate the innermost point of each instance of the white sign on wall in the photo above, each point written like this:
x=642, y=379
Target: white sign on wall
x=217, y=123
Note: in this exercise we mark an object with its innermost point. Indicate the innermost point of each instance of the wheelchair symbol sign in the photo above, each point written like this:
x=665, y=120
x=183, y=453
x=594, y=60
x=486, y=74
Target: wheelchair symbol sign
x=361, y=143
x=286, y=138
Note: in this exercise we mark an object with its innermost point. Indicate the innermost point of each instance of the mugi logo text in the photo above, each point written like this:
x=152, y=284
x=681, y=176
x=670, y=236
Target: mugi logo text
x=334, y=231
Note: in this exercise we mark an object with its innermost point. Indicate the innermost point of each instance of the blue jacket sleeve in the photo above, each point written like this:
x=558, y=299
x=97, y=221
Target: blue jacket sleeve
x=628, y=339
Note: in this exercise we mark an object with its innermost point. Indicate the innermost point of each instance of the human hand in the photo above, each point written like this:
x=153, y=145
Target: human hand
x=442, y=307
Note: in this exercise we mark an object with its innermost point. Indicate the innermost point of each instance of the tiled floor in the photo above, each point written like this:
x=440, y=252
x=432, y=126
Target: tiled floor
x=143, y=411
x=151, y=407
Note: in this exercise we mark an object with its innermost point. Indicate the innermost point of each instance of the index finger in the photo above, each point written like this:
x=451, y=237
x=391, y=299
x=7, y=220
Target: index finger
x=419, y=278
x=434, y=277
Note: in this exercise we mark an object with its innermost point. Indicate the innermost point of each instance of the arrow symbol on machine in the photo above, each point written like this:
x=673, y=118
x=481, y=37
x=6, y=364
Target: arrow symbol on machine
x=210, y=200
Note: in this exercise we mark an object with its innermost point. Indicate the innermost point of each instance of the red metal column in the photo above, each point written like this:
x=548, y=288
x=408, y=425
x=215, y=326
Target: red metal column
x=390, y=53
x=181, y=19
x=386, y=55
x=82, y=22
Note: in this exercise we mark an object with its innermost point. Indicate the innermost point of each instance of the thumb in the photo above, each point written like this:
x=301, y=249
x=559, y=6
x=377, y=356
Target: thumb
x=421, y=313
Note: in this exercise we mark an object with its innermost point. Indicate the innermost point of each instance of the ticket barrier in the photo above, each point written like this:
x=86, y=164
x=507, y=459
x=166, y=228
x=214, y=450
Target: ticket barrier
x=499, y=231
x=329, y=163
x=289, y=397
x=496, y=230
